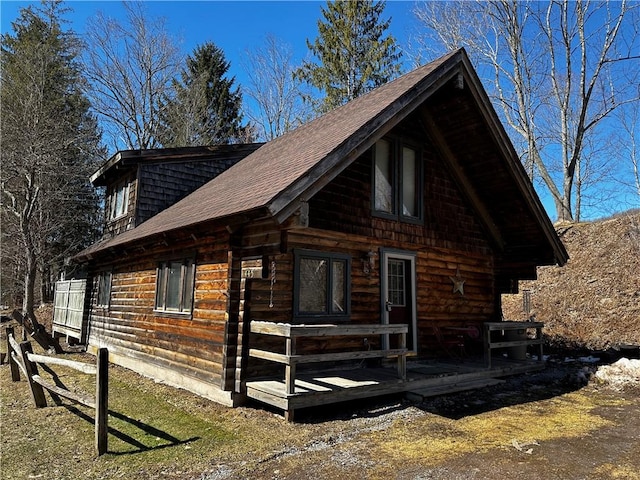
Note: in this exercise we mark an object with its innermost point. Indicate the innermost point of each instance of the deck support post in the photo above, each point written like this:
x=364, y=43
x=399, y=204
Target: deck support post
x=486, y=341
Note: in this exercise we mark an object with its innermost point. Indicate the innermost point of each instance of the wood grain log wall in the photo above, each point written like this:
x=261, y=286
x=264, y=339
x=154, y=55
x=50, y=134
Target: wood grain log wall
x=450, y=241
x=193, y=345
x=251, y=276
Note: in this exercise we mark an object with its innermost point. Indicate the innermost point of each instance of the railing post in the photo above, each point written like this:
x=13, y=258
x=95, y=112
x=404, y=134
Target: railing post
x=290, y=369
x=402, y=358
x=37, y=393
x=486, y=340
x=102, y=400
x=13, y=364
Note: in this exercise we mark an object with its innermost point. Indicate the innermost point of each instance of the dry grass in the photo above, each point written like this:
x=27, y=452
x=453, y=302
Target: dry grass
x=568, y=416
x=155, y=431
x=593, y=302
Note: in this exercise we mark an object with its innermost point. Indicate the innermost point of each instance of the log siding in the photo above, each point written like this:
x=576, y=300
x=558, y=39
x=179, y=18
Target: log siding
x=450, y=242
x=193, y=344
x=231, y=288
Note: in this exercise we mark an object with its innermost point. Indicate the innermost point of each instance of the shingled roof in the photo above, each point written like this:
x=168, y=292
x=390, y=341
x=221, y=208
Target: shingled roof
x=281, y=173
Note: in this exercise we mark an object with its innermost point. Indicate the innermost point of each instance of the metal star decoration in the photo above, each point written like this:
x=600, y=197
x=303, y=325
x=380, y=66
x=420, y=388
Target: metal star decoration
x=458, y=282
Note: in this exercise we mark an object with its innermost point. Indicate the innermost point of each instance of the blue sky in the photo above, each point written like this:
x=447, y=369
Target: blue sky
x=238, y=26
x=234, y=26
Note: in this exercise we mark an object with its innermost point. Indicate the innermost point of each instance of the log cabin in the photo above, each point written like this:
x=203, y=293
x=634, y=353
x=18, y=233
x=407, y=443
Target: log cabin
x=359, y=240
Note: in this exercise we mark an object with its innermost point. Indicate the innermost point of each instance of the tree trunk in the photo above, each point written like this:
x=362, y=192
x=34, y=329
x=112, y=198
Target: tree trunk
x=29, y=281
x=565, y=214
x=46, y=285
x=578, y=191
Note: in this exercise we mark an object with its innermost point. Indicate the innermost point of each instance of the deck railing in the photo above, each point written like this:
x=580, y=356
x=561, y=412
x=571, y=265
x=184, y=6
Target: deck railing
x=290, y=333
x=522, y=339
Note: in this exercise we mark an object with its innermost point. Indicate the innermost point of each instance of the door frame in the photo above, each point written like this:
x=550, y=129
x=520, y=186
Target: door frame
x=385, y=255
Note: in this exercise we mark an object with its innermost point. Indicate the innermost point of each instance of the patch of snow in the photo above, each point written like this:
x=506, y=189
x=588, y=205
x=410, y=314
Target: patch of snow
x=624, y=372
x=589, y=359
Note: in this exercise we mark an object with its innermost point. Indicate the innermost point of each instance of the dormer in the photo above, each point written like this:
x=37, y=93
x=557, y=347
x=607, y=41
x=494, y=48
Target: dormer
x=141, y=183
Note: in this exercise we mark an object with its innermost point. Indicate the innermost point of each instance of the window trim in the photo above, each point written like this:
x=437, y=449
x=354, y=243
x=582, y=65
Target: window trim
x=123, y=186
x=396, y=148
x=99, y=289
x=187, y=286
x=327, y=315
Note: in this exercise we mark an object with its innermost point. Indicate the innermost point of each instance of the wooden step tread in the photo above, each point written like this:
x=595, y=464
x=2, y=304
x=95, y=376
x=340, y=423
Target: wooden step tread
x=419, y=395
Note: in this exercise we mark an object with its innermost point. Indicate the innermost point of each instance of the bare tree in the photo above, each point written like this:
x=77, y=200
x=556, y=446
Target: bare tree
x=276, y=94
x=558, y=70
x=627, y=144
x=130, y=66
x=50, y=144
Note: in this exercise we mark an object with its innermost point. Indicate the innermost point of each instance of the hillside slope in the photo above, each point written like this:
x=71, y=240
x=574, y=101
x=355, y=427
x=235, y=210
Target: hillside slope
x=594, y=300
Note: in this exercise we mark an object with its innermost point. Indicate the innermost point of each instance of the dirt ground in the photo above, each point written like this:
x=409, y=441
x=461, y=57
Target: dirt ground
x=561, y=423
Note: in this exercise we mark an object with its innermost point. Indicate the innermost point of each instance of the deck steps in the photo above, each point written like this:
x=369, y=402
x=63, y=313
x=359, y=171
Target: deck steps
x=421, y=394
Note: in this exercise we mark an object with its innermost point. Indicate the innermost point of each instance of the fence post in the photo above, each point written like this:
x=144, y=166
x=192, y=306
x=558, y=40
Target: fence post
x=13, y=364
x=102, y=400
x=37, y=393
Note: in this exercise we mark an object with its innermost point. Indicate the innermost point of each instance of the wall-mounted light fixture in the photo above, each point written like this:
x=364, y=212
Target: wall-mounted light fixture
x=368, y=262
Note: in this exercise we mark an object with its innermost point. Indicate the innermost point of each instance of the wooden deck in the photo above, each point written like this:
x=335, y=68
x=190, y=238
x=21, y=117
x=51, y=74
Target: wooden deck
x=423, y=379
x=300, y=389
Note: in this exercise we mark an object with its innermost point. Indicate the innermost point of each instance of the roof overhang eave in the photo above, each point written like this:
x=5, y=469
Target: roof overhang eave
x=518, y=173
x=231, y=223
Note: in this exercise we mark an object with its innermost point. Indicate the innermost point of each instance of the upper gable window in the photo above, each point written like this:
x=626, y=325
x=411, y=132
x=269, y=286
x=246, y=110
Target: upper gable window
x=119, y=200
x=397, y=186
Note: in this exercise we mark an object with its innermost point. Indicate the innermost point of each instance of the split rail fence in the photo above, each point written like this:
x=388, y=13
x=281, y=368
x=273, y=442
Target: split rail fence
x=22, y=358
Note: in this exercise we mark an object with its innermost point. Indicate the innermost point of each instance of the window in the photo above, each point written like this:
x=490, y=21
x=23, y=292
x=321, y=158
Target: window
x=396, y=282
x=174, y=286
x=119, y=200
x=104, y=289
x=397, y=186
x=384, y=178
x=321, y=284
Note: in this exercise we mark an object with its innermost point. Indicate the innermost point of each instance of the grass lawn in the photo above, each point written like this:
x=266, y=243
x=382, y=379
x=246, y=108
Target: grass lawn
x=155, y=431
x=159, y=432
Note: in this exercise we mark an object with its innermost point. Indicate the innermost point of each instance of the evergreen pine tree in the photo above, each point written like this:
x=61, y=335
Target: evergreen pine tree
x=204, y=108
x=353, y=53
